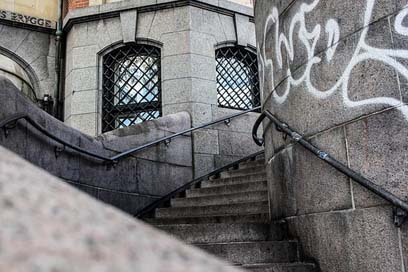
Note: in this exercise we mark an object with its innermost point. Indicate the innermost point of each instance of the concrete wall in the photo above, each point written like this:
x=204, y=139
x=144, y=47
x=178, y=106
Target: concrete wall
x=134, y=183
x=188, y=36
x=35, y=52
x=336, y=71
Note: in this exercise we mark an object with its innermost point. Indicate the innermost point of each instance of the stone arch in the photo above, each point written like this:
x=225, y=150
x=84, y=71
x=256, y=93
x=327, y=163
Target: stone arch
x=20, y=73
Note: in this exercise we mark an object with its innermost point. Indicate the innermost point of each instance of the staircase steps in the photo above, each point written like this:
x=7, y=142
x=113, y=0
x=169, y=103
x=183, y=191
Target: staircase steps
x=239, y=218
x=255, y=196
x=243, y=172
x=228, y=189
x=229, y=209
x=254, y=252
x=228, y=216
x=281, y=267
x=234, y=180
x=224, y=232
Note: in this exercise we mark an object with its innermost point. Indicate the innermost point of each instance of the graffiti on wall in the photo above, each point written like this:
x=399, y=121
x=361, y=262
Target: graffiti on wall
x=284, y=44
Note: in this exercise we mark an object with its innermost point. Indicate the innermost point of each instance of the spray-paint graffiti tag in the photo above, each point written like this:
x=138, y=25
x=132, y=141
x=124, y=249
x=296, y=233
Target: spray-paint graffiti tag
x=363, y=52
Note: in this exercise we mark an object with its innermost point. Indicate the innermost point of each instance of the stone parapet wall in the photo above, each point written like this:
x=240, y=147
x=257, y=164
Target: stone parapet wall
x=132, y=184
x=49, y=226
x=336, y=71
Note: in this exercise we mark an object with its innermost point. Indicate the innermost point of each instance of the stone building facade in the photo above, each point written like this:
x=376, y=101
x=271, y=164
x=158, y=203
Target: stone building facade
x=187, y=36
x=336, y=72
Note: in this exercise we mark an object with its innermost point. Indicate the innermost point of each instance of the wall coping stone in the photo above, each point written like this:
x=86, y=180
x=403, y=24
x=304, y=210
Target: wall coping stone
x=111, y=10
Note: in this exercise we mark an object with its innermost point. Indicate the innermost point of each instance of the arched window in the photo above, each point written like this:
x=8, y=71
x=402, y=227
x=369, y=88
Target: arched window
x=131, y=86
x=16, y=74
x=237, y=78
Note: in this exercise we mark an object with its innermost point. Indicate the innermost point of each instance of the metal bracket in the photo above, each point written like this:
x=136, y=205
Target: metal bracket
x=167, y=142
x=400, y=216
x=227, y=122
x=58, y=150
x=7, y=127
x=111, y=165
x=278, y=128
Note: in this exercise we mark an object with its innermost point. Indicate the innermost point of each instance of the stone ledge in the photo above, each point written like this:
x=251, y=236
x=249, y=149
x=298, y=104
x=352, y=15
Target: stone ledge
x=113, y=9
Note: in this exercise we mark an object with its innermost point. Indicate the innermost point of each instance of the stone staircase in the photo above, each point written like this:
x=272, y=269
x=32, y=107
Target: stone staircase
x=229, y=217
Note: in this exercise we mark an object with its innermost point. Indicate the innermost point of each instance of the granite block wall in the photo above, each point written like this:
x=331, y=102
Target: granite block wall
x=132, y=184
x=188, y=35
x=335, y=71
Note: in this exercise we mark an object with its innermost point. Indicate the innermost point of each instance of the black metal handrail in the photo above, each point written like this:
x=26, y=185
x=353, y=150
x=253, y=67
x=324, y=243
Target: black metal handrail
x=164, y=200
x=400, y=207
x=11, y=122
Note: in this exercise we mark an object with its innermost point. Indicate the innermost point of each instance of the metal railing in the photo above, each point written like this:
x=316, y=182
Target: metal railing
x=11, y=122
x=400, y=207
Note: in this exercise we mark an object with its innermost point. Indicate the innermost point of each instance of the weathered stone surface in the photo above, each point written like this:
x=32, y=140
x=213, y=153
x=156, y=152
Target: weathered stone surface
x=236, y=143
x=206, y=141
x=46, y=227
x=353, y=240
x=128, y=20
x=245, y=31
x=379, y=151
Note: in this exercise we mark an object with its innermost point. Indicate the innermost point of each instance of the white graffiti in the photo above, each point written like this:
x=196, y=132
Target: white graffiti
x=363, y=52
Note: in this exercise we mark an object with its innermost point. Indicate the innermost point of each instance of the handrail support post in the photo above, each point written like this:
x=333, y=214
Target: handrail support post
x=400, y=216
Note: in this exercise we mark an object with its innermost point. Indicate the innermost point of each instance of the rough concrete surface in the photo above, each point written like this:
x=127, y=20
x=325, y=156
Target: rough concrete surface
x=48, y=226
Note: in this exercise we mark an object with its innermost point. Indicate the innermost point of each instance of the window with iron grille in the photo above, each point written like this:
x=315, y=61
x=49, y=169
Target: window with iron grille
x=237, y=78
x=131, y=86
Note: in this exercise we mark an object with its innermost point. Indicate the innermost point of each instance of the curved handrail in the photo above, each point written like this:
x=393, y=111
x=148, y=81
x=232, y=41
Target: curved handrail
x=400, y=214
x=160, y=202
x=10, y=122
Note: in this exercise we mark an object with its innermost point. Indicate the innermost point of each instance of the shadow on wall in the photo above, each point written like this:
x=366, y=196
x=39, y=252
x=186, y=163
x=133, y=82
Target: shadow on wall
x=134, y=183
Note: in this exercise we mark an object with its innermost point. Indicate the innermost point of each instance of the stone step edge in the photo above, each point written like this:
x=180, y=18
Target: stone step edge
x=222, y=195
x=215, y=215
x=246, y=243
x=263, y=202
x=228, y=185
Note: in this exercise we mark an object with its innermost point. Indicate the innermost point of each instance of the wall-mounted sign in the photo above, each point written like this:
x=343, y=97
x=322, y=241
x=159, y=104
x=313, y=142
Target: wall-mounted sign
x=26, y=19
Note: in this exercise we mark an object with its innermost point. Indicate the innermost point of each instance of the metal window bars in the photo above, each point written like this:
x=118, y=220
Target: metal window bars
x=131, y=86
x=237, y=78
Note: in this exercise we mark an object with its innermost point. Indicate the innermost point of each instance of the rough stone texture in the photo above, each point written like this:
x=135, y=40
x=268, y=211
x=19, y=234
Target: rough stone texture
x=133, y=183
x=53, y=227
x=342, y=86
x=353, y=240
x=378, y=150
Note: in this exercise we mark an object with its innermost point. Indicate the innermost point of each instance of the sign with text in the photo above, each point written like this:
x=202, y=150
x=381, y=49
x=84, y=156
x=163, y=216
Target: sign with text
x=26, y=19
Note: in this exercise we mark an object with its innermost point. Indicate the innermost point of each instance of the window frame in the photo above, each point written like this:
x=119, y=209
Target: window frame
x=252, y=65
x=108, y=93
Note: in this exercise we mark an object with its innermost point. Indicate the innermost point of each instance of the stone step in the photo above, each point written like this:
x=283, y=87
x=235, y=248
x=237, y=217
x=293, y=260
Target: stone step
x=227, y=232
x=228, y=189
x=254, y=252
x=241, y=218
x=229, y=209
x=243, y=172
x=234, y=180
x=250, y=164
x=220, y=199
x=281, y=267
x=222, y=233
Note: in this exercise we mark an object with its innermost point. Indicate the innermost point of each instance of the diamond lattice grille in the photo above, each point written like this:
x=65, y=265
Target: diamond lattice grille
x=131, y=86
x=237, y=78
